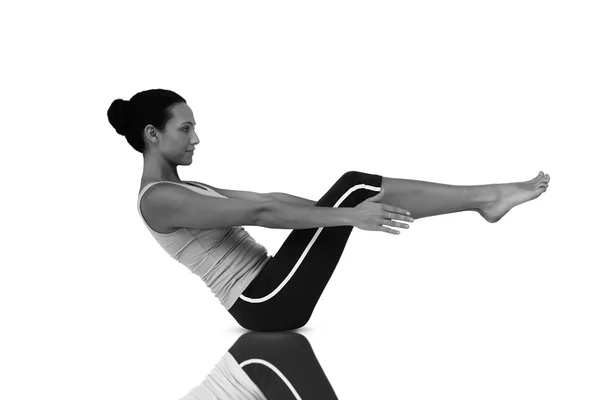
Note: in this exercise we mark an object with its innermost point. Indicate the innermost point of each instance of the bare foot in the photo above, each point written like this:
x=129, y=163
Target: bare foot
x=509, y=195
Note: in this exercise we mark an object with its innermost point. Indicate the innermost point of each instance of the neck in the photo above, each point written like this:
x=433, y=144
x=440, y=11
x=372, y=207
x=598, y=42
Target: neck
x=159, y=170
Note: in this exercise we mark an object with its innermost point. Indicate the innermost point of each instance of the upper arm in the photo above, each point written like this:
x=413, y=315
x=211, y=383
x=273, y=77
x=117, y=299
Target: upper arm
x=239, y=194
x=174, y=206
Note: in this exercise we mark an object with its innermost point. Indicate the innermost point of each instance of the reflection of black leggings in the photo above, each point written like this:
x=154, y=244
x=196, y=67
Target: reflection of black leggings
x=284, y=293
x=283, y=365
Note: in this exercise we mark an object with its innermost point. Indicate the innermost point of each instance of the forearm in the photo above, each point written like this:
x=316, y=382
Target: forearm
x=288, y=198
x=282, y=215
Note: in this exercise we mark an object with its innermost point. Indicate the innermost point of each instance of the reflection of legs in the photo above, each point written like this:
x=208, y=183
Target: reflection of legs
x=492, y=201
x=282, y=363
x=285, y=292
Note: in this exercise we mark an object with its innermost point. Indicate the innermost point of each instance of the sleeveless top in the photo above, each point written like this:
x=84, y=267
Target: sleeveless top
x=227, y=259
x=227, y=380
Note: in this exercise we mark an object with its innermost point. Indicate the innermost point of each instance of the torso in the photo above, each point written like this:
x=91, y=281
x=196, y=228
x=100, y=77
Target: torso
x=148, y=216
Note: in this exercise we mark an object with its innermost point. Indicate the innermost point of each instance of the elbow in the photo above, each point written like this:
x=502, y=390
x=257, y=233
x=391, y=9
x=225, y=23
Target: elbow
x=262, y=216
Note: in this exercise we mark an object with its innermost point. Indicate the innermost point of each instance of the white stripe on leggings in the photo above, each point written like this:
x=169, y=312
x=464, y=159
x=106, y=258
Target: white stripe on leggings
x=274, y=368
x=287, y=278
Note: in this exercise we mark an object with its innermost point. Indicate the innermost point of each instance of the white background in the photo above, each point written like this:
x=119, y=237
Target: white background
x=288, y=96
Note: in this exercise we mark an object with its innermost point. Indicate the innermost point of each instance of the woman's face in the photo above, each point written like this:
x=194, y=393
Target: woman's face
x=179, y=136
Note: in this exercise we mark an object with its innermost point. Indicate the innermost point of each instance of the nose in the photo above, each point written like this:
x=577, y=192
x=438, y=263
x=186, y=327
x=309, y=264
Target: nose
x=196, y=140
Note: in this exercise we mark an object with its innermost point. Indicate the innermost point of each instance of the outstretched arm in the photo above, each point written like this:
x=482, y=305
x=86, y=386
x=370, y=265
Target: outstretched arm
x=249, y=195
x=288, y=198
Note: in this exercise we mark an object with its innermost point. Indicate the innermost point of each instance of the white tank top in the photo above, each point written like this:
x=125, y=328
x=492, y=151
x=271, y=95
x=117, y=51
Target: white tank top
x=227, y=259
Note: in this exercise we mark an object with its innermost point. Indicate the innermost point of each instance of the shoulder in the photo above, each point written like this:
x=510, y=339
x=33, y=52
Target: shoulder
x=152, y=186
x=157, y=194
x=162, y=190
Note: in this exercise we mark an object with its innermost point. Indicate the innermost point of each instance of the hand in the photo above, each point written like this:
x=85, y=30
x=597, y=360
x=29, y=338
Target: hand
x=371, y=215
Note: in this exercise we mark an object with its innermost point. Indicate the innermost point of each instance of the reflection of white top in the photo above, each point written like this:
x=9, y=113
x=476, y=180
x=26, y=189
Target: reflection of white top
x=227, y=380
x=227, y=259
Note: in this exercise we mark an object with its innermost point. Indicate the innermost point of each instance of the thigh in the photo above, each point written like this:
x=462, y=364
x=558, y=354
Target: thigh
x=285, y=292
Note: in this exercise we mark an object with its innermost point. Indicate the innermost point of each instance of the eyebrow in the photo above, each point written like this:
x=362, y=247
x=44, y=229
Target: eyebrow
x=188, y=122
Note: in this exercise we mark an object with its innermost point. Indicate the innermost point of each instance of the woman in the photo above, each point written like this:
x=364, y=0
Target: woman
x=201, y=226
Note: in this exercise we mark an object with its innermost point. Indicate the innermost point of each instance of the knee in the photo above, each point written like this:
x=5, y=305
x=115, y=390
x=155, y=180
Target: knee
x=352, y=175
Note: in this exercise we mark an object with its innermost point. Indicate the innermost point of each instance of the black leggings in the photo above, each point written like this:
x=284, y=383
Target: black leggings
x=284, y=294
x=280, y=364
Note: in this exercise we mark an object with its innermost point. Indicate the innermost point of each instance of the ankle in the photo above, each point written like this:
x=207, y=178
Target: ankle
x=485, y=195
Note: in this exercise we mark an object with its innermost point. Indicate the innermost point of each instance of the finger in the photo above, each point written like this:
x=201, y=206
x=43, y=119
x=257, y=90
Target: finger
x=388, y=230
x=394, y=223
x=395, y=215
x=402, y=217
x=398, y=210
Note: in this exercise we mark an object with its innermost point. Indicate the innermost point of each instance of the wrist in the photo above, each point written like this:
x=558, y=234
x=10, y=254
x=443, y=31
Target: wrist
x=349, y=218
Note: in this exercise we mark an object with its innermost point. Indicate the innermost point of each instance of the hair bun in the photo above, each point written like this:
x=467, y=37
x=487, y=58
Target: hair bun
x=118, y=115
x=124, y=107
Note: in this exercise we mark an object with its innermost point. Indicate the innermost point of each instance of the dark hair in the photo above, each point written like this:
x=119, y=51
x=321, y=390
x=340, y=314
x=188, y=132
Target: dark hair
x=129, y=118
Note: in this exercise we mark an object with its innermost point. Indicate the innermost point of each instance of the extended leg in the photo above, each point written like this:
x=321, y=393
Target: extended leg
x=492, y=201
